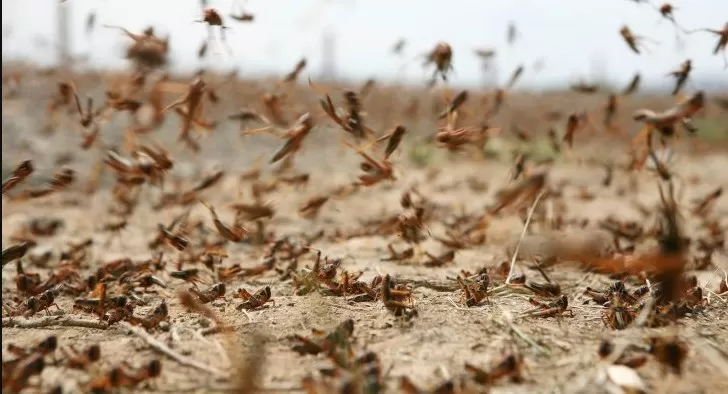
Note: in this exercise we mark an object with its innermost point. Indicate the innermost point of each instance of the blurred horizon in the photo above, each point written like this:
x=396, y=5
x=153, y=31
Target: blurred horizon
x=573, y=40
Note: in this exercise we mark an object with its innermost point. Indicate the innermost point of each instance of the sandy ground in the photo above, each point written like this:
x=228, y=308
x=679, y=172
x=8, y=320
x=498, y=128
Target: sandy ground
x=560, y=353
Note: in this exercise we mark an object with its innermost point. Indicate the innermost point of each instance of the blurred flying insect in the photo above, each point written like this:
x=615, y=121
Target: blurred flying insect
x=241, y=15
x=20, y=173
x=666, y=10
x=297, y=69
x=398, y=47
x=512, y=33
x=722, y=41
x=632, y=40
x=90, y=22
x=517, y=73
x=456, y=102
x=633, y=85
x=681, y=76
x=441, y=57
x=213, y=19
x=393, y=140
x=610, y=111
x=234, y=233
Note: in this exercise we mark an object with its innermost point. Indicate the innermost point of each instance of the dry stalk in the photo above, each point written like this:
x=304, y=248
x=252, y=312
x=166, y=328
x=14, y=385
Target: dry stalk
x=523, y=234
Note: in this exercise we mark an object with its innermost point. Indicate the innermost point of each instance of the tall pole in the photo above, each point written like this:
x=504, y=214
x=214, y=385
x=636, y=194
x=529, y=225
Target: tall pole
x=328, y=56
x=489, y=73
x=64, y=45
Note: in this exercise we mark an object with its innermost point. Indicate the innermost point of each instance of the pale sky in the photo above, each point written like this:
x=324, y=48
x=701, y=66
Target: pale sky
x=574, y=38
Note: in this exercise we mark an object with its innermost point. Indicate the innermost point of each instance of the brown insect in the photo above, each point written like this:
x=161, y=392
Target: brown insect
x=63, y=97
x=630, y=359
x=272, y=103
x=191, y=114
x=259, y=269
x=375, y=171
x=190, y=196
x=23, y=372
x=408, y=387
x=610, y=111
x=60, y=180
x=462, y=239
x=31, y=284
x=703, y=205
x=554, y=308
x=632, y=40
x=338, y=338
x=515, y=76
x=311, y=207
x=81, y=359
x=509, y=367
x=352, y=122
x=256, y=300
x=295, y=138
x=398, y=46
x=236, y=233
x=394, y=255
x=456, y=102
x=253, y=212
x=572, y=125
x=144, y=280
x=148, y=51
x=671, y=352
x=525, y=190
x=583, y=87
x=242, y=16
x=722, y=43
x=664, y=122
x=226, y=274
x=439, y=261
x=474, y=293
x=367, y=88
x=393, y=303
x=98, y=302
x=723, y=286
x=544, y=289
x=191, y=275
x=213, y=19
x=153, y=318
x=124, y=376
x=681, y=76
x=441, y=57
x=44, y=347
x=619, y=315
x=26, y=307
x=245, y=115
x=20, y=173
x=393, y=140
x=484, y=54
x=297, y=69
x=177, y=238
x=11, y=367
x=633, y=85
x=216, y=291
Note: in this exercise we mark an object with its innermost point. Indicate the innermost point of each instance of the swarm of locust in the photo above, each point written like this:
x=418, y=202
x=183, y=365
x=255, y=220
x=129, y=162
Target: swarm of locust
x=673, y=293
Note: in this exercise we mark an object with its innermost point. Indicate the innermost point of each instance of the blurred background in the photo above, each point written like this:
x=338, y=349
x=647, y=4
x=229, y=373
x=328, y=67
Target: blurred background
x=558, y=41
